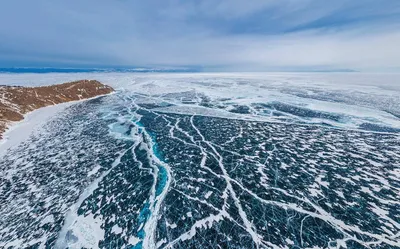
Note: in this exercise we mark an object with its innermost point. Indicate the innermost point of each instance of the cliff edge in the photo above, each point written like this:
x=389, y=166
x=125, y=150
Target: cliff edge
x=15, y=101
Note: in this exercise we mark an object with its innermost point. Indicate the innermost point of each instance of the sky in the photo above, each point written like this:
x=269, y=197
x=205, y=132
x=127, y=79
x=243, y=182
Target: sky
x=214, y=35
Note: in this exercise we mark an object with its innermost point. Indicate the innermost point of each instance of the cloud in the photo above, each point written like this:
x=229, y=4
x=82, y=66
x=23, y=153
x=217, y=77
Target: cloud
x=230, y=35
x=344, y=49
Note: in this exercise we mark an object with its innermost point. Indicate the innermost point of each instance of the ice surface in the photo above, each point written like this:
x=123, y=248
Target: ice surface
x=208, y=161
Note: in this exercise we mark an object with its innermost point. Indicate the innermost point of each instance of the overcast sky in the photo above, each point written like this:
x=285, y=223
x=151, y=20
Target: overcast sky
x=242, y=35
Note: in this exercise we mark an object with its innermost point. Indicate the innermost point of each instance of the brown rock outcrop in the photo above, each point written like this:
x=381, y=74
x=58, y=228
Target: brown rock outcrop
x=15, y=101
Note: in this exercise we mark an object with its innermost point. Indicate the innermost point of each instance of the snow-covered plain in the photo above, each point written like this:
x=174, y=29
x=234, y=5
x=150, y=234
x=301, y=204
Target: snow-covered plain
x=234, y=160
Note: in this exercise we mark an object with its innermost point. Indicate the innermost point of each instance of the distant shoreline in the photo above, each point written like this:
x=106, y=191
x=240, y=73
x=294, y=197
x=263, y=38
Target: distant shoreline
x=45, y=70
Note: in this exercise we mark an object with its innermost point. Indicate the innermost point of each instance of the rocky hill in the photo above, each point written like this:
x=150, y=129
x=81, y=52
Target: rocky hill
x=15, y=101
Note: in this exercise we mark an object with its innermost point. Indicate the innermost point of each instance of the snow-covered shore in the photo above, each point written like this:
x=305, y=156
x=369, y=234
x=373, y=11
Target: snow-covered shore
x=18, y=132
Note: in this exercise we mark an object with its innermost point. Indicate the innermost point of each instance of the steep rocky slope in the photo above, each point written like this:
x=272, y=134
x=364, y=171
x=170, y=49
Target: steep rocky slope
x=15, y=101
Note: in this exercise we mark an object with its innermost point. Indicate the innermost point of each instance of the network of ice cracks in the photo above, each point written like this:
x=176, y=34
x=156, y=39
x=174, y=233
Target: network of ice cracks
x=209, y=162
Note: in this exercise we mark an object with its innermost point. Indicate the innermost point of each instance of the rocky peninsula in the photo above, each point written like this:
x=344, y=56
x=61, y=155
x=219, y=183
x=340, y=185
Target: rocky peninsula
x=15, y=101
